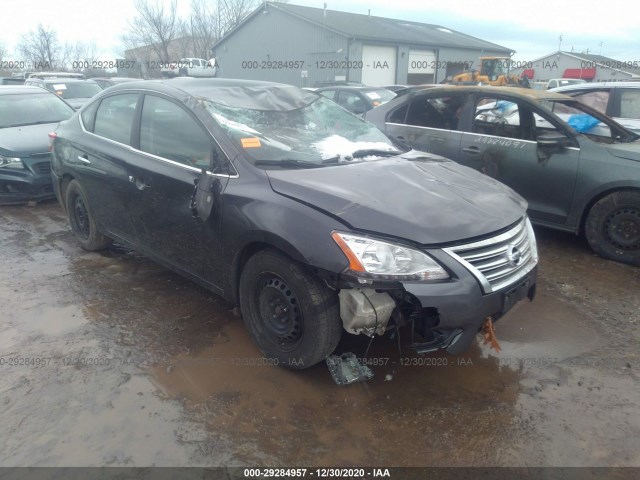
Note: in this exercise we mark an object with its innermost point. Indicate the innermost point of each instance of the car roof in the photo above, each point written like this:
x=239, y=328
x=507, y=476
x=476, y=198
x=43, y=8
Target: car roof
x=117, y=79
x=66, y=80
x=356, y=88
x=528, y=93
x=18, y=89
x=253, y=94
x=598, y=85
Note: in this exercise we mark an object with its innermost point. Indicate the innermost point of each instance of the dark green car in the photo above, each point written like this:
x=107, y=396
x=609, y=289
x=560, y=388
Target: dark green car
x=578, y=169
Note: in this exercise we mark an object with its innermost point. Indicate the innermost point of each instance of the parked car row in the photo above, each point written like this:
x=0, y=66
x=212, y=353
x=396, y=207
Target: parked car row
x=354, y=98
x=291, y=216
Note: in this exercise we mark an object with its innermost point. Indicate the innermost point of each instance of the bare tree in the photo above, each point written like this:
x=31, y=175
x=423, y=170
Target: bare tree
x=154, y=27
x=40, y=47
x=3, y=51
x=79, y=55
x=203, y=26
x=232, y=12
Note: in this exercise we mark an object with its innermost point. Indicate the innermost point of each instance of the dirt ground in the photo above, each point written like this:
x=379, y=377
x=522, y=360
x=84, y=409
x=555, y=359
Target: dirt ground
x=110, y=360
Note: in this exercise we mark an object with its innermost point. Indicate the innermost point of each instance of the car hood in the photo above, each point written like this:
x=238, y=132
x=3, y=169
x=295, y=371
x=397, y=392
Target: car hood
x=629, y=151
x=428, y=200
x=24, y=141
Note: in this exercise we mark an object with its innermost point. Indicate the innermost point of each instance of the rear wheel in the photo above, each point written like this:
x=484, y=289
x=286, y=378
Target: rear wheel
x=613, y=227
x=292, y=316
x=81, y=220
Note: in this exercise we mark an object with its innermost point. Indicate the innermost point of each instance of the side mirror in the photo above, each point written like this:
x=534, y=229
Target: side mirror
x=553, y=140
x=205, y=194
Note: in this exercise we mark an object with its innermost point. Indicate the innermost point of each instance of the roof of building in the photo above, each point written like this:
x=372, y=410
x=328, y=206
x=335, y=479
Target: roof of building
x=370, y=27
x=598, y=61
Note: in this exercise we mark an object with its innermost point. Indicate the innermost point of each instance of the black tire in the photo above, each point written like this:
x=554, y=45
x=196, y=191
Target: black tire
x=81, y=219
x=613, y=227
x=292, y=316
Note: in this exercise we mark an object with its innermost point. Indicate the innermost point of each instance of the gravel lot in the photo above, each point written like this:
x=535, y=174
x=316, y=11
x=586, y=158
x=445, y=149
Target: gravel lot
x=109, y=359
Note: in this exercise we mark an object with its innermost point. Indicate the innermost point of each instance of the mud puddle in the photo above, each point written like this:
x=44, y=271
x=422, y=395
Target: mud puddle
x=146, y=368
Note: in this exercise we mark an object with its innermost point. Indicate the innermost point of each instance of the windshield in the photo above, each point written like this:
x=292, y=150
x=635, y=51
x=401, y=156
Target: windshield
x=584, y=120
x=30, y=109
x=316, y=134
x=75, y=90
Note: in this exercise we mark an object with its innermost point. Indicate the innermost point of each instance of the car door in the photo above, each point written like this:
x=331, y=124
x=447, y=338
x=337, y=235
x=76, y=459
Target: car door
x=502, y=142
x=429, y=122
x=175, y=148
x=101, y=161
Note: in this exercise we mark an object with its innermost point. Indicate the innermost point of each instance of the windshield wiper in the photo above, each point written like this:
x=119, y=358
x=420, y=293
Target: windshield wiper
x=366, y=152
x=289, y=163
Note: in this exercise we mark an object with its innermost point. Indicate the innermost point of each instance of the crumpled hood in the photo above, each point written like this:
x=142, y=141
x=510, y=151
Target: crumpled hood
x=430, y=201
x=630, y=151
x=24, y=141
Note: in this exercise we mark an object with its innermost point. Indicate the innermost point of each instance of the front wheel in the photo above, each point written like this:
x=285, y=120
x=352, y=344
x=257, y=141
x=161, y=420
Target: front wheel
x=291, y=315
x=613, y=227
x=82, y=223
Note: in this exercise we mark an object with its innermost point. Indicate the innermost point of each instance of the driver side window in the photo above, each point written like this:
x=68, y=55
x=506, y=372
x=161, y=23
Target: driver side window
x=168, y=131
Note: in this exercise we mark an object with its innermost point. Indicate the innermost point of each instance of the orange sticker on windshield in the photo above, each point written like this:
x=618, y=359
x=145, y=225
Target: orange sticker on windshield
x=252, y=142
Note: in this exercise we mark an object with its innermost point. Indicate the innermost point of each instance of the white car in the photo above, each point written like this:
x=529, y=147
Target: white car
x=563, y=82
x=619, y=100
x=191, y=67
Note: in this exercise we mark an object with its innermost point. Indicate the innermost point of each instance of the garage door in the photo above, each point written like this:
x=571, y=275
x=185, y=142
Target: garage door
x=421, y=67
x=378, y=65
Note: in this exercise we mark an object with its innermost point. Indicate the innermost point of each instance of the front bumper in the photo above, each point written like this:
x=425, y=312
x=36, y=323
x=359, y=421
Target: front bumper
x=22, y=186
x=456, y=310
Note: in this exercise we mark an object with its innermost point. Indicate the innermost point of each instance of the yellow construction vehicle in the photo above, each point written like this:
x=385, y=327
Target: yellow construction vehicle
x=493, y=71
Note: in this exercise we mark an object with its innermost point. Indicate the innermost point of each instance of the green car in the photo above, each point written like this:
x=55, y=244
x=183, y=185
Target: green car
x=578, y=169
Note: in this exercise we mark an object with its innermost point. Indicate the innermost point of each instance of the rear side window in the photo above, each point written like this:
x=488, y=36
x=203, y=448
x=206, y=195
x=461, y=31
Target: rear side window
x=630, y=103
x=597, y=99
x=436, y=112
x=168, y=131
x=114, y=117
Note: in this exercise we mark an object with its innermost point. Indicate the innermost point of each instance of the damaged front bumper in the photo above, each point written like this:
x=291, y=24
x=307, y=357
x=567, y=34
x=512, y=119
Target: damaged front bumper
x=449, y=318
x=32, y=183
x=444, y=315
x=486, y=278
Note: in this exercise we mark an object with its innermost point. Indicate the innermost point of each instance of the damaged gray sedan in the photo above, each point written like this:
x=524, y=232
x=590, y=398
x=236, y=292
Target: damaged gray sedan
x=306, y=216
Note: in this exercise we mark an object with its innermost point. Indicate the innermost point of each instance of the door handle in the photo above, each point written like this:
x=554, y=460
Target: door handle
x=471, y=150
x=400, y=137
x=437, y=139
x=84, y=159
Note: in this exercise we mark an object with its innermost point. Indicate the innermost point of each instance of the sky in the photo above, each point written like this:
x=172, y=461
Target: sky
x=529, y=27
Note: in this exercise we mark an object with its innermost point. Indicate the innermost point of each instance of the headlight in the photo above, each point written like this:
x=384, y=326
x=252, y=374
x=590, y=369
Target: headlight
x=11, y=162
x=376, y=259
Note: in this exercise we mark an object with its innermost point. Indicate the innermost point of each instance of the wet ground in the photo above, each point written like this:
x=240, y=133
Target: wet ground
x=109, y=359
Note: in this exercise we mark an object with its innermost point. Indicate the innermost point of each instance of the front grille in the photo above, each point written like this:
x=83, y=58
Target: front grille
x=501, y=260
